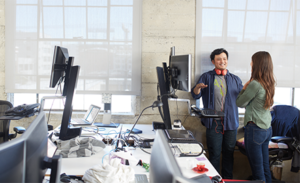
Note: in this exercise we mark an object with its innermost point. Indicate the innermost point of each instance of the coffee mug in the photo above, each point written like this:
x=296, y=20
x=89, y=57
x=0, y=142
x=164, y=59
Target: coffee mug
x=201, y=166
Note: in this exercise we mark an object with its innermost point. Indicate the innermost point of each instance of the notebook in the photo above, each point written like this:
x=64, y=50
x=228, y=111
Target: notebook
x=89, y=117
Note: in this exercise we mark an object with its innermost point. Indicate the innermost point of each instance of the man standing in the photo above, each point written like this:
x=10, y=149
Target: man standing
x=219, y=90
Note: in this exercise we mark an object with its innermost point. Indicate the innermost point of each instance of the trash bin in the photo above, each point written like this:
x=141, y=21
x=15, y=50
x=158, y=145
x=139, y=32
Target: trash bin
x=277, y=170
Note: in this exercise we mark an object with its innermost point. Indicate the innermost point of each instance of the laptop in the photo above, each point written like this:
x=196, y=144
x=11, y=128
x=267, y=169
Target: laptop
x=89, y=117
x=179, y=135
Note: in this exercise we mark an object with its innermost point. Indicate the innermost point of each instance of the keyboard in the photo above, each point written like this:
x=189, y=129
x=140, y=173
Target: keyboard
x=80, y=121
x=189, y=148
x=207, y=113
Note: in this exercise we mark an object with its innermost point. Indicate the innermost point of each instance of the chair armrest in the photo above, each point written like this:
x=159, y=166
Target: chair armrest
x=19, y=129
x=283, y=139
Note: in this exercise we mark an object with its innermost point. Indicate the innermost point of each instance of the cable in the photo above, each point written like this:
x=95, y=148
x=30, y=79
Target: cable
x=177, y=108
x=107, y=154
x=144, y=151
x=119, y=139
x=185, y=119
x=59, y=82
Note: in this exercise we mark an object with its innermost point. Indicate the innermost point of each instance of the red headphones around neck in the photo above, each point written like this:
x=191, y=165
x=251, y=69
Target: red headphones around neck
x=221, y=72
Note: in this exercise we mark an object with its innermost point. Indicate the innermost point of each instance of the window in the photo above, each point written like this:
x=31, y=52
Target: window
x=103, y=36
x=297, y=98
x=283, y=96
x=245, y=27
x=81, y=102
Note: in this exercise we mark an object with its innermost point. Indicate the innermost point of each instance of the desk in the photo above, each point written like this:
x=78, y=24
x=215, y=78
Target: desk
x=78, y=166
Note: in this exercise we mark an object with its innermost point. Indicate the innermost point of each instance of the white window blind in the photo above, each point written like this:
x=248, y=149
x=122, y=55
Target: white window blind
x=244, y=27
x=104, y=37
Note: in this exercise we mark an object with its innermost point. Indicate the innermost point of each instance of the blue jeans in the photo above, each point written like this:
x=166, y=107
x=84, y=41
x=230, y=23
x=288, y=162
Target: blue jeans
x=256, y=145
x=217, y=143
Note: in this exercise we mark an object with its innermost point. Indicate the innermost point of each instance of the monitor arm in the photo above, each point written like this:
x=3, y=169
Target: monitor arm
x=184, y=100
x=48, y=97
x=60, y=67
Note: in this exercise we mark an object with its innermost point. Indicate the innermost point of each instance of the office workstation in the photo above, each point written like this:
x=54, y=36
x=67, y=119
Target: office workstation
x=111, y=72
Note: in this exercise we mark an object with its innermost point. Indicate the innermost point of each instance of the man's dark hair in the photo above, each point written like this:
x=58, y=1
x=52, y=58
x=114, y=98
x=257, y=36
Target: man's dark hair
x=218, y=52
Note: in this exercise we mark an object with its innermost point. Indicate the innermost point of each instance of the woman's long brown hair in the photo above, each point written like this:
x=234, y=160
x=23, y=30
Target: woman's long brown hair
x=262, y=71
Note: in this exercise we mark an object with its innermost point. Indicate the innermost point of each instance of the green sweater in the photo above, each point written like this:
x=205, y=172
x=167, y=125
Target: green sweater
x=253, y=99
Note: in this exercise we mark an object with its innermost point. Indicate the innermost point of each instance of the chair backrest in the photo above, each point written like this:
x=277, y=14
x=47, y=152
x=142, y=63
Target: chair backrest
x=285, y=121
x=4, y=124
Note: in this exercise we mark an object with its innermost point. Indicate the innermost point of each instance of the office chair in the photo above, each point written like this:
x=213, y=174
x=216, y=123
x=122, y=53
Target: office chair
x=285, y=126
x=4, y=123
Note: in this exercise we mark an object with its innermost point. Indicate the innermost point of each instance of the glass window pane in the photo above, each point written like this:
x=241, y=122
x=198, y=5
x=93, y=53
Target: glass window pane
x=121, y=103
x=45, y=57
x=214, y=3
x=92, y=99
x=283, y=96
x=52, y=2
x=24, y=98
x=121, y=2
x=237, y=4
x=212, y=22
x=75, y=23
x=74, y=2
x=78, y=102
x=235, y=26
x=121, y=23
x=280, y=5
x=298, y=26
x=277, y=26
x=256, y=24
x=26, y=2
x=52, y=22
x=26, y=20
x=97, y=23
x=25, y=82
x=97, y=2
x=94, y=85
x=241, y=110
x=297, y=98
x=92, y=56
x=119, y=84
x=258, y=5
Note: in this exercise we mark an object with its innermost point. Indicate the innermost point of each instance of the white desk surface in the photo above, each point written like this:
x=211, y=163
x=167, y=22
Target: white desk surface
x=78, y=166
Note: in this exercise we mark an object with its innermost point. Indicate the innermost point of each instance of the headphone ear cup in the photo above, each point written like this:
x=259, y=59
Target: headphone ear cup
x=218, y=71
x=224, y=72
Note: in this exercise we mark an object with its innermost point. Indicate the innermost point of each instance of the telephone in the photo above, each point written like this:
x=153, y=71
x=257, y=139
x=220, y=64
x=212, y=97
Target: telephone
x=22, y=110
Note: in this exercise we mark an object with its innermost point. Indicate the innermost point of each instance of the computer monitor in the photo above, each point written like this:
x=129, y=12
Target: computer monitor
x=180, y=72
x=176, y=76
x=163, y=92
x=25, y=159
x=163, y=165
x=63, y=70
x=61, y=66
x=12, y=161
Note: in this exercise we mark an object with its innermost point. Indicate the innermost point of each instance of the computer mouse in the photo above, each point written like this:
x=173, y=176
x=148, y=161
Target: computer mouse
x=65, y=178
x=216, y=179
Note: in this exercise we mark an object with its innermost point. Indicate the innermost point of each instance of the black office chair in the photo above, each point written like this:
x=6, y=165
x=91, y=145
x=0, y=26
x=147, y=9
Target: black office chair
x=4, y=124
x=285, y=125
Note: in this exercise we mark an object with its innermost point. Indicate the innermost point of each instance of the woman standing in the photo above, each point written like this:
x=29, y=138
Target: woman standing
x=257, y=97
